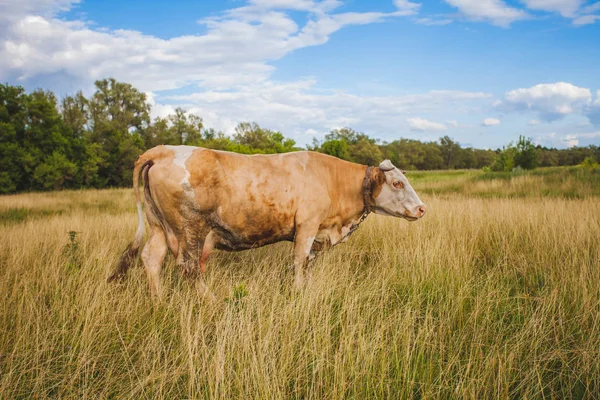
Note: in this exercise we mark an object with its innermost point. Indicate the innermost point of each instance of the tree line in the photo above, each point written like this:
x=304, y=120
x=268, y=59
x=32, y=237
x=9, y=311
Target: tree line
x=81, y=142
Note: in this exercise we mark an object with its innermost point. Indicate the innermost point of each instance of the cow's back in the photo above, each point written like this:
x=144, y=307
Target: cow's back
x=248, y=199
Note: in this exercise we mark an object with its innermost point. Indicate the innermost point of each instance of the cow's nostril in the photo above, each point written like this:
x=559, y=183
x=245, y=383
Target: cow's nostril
x=422, y=210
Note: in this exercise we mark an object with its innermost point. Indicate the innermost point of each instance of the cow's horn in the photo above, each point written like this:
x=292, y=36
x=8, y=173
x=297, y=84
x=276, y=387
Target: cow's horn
x=386, y=165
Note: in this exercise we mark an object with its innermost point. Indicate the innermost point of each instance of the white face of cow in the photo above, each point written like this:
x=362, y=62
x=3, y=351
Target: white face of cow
x=397, y=198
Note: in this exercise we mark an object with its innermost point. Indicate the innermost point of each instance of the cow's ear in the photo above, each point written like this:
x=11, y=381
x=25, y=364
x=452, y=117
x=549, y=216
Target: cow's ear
x=377, y=181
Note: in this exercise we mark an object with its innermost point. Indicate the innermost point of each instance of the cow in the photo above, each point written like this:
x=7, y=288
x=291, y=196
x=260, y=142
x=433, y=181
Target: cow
x=199, y=199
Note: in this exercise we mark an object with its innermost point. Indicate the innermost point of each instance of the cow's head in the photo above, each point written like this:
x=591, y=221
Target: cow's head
x=393, y=195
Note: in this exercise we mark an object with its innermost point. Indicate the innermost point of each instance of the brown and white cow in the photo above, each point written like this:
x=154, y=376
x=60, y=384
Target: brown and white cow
x=199, y=199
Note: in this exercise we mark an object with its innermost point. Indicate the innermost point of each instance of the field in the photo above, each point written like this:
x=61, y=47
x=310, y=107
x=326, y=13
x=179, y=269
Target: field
x=495, y=293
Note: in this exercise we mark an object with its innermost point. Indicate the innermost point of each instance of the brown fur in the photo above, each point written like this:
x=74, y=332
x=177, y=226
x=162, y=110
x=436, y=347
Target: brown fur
x=245, y=202
x=127, y=258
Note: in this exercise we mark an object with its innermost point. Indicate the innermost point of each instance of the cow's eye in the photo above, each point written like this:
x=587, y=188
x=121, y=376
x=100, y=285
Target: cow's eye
x=398, y=185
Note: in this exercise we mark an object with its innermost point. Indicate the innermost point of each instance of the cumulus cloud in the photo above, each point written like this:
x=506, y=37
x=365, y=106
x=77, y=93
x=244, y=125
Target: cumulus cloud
x=550, y=101
x=227, y=69
x=567, y=138
x=235, y=50
x=13, y=10
x=294, y=107
x=490, y=122
x=575, y=139
x=423, y=125
x=570, y=140
x=496, y=12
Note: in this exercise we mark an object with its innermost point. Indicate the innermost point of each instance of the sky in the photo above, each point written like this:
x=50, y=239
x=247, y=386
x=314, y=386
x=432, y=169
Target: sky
x=480, y=71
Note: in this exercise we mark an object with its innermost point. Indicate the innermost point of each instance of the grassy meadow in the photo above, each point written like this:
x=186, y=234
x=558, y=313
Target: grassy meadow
x=495, y=293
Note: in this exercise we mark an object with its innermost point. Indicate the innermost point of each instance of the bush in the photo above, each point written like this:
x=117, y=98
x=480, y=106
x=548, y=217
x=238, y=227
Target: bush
x=590, y=164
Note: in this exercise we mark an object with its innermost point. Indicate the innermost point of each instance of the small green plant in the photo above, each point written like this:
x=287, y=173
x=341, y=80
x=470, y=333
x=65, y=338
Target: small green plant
x=239, y=292
x=71, y=250
x=590, y=164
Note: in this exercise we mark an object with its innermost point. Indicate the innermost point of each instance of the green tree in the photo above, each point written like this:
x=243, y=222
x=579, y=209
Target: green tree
x=526, y=153
x=54, y=172
x=360, y=148
x=187, y=128
x=13, y=115
x=505, y=160
x=336, y=148
x=47, y=140
x=251, y=138
x=157, y=133
x=450, y=150
x=119, y=117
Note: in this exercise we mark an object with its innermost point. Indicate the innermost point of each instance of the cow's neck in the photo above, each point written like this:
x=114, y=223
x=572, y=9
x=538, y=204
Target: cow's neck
x=354, y=204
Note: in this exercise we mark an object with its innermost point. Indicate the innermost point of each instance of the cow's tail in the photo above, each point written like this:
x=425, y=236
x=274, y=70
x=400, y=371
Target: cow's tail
x=131, y=252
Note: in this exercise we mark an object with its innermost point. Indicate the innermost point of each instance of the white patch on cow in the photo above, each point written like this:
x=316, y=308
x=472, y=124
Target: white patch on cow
x=139, y=234
x=182, y=153
x=303, y=160
x=309, y=243
x=345, y=232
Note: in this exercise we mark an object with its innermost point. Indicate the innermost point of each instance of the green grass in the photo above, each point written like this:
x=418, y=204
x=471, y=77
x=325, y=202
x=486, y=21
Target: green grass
x=570, y=183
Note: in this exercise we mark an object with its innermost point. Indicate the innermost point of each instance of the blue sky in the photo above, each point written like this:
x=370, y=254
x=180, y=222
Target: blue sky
x=479, y=71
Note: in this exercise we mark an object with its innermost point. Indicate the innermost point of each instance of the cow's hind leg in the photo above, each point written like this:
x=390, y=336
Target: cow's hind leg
x=153, y=255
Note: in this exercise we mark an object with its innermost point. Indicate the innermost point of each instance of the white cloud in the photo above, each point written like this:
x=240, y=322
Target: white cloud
x=570, y=140
x=285, y=4
x=575, y=138
x=229, y=66
x=498, y=12
x=566, y=8
x=11, y=10
x=586, y=20
x=295, y=107
x=404, y=5
x=593, y=111
x=550, y=101
x=533, y=122
x=235, y=50
x=495, y=11
x=591, y=8
x=490, y=122
x=433, y=22
x=423, y=125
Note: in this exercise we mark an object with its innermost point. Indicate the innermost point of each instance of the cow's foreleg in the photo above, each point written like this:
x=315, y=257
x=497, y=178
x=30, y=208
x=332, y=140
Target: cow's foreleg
x=209, y=245
x=305, y=236
x=153, y=256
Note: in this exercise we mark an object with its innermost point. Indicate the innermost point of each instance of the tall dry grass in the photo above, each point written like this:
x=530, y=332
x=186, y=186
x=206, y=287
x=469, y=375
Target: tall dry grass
x=483, y=298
